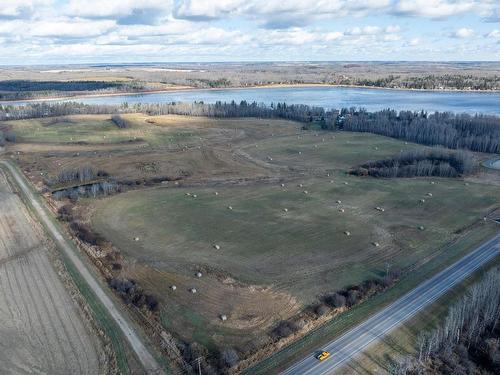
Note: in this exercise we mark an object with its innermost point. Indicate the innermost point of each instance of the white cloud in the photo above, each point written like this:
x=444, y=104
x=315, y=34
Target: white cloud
x=463, y=33
x=392, y=29
x=415, y=42
x=112, y=8
x=366, y=30
x=152, y=29
x=392, y=37
x=18, y=8
x=495, y=34
x=433, y=8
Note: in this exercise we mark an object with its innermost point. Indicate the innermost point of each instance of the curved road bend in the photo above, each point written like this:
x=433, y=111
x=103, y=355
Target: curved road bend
x=360, y=337
x=147, y=360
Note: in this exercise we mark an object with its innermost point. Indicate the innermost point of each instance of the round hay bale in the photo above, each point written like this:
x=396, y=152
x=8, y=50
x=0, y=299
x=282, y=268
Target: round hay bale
x=341, y=210
x=347, y=233
x=422, y=200
x=223, y=317
x=216, y=247
x=339, y=201
x=300, y=152
x=432, y=182
x=376, y=244
x=270, y=158
x=346, y=183
x=376, y=148
x=282, y=185
x=429, y=194
x=306, y=192
x=421, y=227
x=331, y=181
x=216, y=193
x=285, y=209
x=193, y=290
x=229, y=207
x=173, y=287
x=300, y=185
x=195, y=196
x=198, y=274
x=136, y=239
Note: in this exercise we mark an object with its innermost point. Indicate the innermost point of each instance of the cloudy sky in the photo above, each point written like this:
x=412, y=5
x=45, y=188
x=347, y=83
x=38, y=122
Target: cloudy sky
x=74, y=31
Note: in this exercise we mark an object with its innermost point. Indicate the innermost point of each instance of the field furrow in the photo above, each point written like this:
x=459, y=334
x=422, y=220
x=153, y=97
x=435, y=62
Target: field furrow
x=41, y=327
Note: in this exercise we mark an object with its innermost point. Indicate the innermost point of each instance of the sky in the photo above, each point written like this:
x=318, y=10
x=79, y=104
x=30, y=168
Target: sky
x=126, y=31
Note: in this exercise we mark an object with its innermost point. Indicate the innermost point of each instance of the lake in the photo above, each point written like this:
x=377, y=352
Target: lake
x=328, y=97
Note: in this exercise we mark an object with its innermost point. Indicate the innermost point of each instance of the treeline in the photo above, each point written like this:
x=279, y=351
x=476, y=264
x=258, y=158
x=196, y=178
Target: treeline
x=132, y=293
x=468, y=342
x=121, y=122
x=90, y=191
x=342, y=299
x=26, y=85
x=80, y=174
x=210, y=83
x=433, y=82
x=7, y=136
x=458, y=131
x=435, y=162
x=26, y=89
x=296, y=112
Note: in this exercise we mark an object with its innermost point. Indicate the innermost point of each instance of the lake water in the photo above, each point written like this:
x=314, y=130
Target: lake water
x=328, y=97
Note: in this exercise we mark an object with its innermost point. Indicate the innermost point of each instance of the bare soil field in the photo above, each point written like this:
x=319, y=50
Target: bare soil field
x=264, y=210
x=41, y=326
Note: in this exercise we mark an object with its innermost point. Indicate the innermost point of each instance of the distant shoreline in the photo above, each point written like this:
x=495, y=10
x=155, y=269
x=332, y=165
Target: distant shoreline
x=268, y=86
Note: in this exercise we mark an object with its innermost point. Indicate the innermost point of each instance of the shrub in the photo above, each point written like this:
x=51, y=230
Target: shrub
x=285, y=328
x=335, y=300
x=322, y=309
x=65, y=213
x=120, y=121
x=84, y=233
x=228, y=357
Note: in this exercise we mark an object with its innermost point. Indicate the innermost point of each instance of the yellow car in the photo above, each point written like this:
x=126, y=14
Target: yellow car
x=323, y=355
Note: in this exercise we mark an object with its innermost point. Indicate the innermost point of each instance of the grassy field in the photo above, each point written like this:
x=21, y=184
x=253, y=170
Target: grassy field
x=289, y=222
x=272, y=263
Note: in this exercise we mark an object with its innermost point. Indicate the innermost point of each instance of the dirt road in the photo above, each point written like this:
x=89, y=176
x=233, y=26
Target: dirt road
x=145, y=357
x=41, y=329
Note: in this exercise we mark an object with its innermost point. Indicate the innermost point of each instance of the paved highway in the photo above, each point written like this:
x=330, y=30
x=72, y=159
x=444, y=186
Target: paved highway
x=145, y=357
x=359, y=338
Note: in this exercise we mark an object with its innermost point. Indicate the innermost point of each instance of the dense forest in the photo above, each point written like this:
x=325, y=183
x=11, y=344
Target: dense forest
x=457, y=131
x=433, y=82
x=435, y=162
x=25, y=89
x=467, y=342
